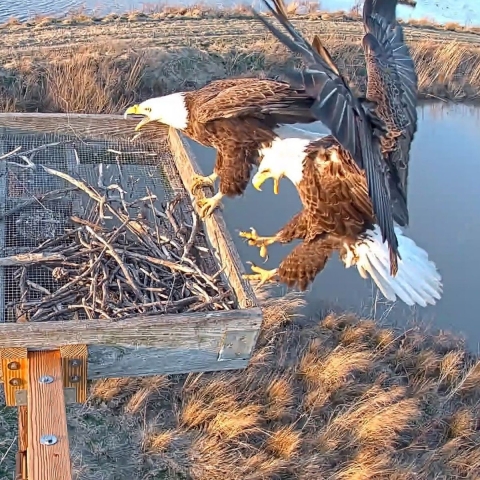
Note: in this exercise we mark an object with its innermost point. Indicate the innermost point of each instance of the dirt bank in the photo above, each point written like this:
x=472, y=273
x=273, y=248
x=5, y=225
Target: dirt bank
x=98, y=66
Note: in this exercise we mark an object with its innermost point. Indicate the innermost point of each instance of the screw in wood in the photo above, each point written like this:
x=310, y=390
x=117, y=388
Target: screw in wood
x=48, y=440
x=75, y=362
x=75, y=378
x=15, y=382
x=13, y=366
x=45, y=379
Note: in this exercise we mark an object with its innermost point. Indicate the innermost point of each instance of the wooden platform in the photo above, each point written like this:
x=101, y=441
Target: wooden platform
x=143, y=345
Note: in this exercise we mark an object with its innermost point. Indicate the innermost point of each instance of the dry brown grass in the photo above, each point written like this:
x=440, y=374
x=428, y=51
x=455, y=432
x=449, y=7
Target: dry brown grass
x=105, y=78
x=339, y=398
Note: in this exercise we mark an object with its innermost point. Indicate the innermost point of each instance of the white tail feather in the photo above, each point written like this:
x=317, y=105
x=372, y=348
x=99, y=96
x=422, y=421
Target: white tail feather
x=417, y=281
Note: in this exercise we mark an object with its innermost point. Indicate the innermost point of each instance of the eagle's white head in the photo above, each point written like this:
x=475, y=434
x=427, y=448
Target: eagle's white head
x=170, y=110
x=285, y=158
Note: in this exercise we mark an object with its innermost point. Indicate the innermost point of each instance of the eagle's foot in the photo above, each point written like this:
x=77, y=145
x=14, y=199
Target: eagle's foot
x=254, y=240
x=199, y=181
x=260, y=274
x=208, y=205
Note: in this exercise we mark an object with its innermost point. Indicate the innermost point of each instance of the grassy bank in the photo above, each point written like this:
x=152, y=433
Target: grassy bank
x=105, y=78
x=337, y=398
x=155, y=11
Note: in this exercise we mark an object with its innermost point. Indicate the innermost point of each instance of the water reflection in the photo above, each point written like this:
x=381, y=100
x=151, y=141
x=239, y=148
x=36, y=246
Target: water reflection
x=444, y=201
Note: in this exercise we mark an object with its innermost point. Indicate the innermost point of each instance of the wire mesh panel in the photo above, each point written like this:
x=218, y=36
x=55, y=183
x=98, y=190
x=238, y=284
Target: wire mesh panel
x=95, y=225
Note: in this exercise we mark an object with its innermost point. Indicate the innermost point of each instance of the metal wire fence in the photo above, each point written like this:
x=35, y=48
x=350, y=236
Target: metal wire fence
x=97, y=181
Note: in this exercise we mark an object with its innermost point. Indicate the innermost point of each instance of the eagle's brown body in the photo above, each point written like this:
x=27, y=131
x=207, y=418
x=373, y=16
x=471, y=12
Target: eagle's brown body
x=337, y=210
x=237, y=117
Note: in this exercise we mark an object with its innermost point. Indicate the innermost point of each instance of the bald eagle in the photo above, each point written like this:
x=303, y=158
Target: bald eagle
x=338, y=212
x=239, y=117
x=337, y=216
x=377, y=129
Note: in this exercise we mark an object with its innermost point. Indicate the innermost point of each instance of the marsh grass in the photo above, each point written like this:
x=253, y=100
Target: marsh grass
x=339, y=398
x=106, y=78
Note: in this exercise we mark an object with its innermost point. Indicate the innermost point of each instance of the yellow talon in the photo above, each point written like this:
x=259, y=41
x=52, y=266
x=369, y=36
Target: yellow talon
x=199, y=181
x=254, y=240
x=208, y=205
x=262, y=275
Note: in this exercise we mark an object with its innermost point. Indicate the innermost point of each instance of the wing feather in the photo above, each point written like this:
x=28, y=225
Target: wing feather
x=350, y=122
x=252, y=97
x=390, y=60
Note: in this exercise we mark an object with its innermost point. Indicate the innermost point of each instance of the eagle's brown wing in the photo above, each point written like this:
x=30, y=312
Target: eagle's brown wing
x=254, y=97
x=393, y=85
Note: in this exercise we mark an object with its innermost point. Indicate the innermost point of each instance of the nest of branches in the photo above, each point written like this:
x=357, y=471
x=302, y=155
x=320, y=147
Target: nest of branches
x=151, y=261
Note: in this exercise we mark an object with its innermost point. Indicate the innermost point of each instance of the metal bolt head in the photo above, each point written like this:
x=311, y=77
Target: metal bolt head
x=75, y=362
x=48, y=440
x=75, y=378
x=45, y=379
x=15, y=382
x=13, y=366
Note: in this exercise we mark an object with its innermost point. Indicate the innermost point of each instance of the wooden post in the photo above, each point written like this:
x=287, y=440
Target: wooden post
x=21, y=472
x=48, y=453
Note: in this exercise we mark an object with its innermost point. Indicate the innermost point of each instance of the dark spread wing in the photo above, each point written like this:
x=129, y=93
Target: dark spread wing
x=336, y=105
x=252, y=97
x=393, y=85
x=344, y=115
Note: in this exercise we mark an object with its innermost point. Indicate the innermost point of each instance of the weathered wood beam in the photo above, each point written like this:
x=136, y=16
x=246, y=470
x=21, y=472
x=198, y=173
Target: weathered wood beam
x=48, y=452
x=216, y=229
x=148, y=345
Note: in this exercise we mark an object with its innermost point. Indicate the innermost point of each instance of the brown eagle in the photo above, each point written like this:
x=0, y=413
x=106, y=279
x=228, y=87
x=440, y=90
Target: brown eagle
x=239, y=117
x=338, y=213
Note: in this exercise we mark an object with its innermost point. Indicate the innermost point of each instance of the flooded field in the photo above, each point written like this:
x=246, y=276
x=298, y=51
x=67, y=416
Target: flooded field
x=444, y=201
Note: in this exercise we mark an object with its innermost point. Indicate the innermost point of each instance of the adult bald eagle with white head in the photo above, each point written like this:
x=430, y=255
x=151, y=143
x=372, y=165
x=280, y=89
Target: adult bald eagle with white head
x=240, y=117
x=331, y=173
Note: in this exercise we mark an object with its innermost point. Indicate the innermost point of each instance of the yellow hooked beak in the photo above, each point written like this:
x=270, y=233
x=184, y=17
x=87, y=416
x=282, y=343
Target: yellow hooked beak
x=137, y=110
x=260, y=177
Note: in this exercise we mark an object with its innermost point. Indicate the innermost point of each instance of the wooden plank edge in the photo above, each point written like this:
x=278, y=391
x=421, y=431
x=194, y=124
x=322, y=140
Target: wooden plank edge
x=47, y=420
x=160, y=331
x=216, y=229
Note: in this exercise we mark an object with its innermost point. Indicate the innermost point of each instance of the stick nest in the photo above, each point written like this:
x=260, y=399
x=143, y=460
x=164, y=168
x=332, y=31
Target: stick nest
x=152, y=260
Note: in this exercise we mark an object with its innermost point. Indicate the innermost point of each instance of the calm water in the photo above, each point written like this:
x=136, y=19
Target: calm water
x=466, y=12
x=444, y=198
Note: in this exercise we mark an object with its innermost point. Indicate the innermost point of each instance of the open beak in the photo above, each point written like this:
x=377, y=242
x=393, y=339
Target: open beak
x=258, y=180
x=137, y=110
x=260, y=177
x=276, y=183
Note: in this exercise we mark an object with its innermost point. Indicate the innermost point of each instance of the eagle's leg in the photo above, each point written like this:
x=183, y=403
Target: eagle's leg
x=208, y=205
x=255, y=240
x=261, y=274
x=199, y=181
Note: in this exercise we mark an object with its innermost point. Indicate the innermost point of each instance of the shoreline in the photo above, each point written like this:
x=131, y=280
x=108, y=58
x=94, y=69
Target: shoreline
x=297, y=11
x=126, y=62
